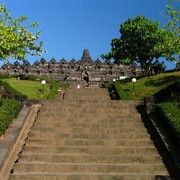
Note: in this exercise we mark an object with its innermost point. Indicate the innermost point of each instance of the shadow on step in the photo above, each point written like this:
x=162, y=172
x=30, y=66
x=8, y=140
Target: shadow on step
x=113, y=93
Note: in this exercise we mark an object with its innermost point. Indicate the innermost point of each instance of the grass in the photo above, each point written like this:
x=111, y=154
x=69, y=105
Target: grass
x=32, y=89
x=146, y=86
x=53, y=90
x=169, y=113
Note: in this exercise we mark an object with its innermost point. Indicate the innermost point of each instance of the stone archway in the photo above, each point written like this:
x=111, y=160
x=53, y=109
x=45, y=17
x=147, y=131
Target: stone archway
x=85, y=78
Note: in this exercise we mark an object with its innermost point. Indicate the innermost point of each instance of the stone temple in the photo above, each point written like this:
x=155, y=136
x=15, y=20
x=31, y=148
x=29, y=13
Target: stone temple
x=84, y=72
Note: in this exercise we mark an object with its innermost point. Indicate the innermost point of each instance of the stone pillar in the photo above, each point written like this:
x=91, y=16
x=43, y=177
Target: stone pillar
x=149, y=102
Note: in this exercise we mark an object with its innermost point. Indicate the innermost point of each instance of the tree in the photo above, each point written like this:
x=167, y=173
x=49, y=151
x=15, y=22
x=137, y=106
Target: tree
x=173, y=16
x=173, y=19
x=15, y=39
x=177, y=65
x=141, y=41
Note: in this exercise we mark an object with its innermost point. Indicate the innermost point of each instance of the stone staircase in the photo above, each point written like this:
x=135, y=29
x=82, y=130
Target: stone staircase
x=89, y=136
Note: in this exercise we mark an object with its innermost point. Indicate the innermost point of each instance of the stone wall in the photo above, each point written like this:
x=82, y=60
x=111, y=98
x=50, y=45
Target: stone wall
x=84, y=71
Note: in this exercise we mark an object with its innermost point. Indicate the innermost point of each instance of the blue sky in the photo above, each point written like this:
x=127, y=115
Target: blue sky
x=70, y=26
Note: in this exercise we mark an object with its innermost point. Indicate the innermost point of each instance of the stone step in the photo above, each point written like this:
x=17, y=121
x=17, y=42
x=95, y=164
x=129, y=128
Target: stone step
x=92, y=106
x=87, y=123
x=88, y=128
x=81, y=176
x=91, y=117
x=84, y=103
x=87, y=142
x=88, y=96
x=87, y=89
x=91, y=91
x=71, y=122
x=99, y=114
x=103, y=124
x=90, y=113
x=87, y=92
x=88, y=109
x=91, y=150
x=94, y=95
x=89, y=136
x=116, y=159
x=110, y=128
x=77, y=94
x=100, y=98
x=97, y=136
x=90, y=168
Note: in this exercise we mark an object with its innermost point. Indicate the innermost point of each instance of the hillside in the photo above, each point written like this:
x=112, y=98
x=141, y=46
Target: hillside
x=146, y=86
x=32, y=89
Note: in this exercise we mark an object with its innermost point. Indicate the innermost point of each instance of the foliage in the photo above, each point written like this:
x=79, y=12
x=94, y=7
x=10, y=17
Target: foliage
x=65, y=86
x=141, y=41
x=8, y=88
x=15, y=39
x=178, y=65
x=32, y=89
x=173, y=19
x=53, y=90
x=9, y=109
x=173, y=16
x=122, y=92
x=32, y=77
x=30, y=85
x=107, y=84
x=170, y=116
x=146, y=86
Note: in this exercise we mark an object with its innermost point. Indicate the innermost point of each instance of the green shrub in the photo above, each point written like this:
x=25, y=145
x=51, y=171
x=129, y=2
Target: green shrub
x=33, y=77
x=107, y=84
x=65, y=86
x=123, y=93
x=31, y=87
x=2, y=76
x=53, y=90
x=8, y=88
x=9, y=109
x=169, y=114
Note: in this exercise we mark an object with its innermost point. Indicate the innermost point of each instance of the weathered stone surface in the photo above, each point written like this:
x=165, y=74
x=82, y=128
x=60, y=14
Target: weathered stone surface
x=84, y=71
x=86, y=137
x=14, y=140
